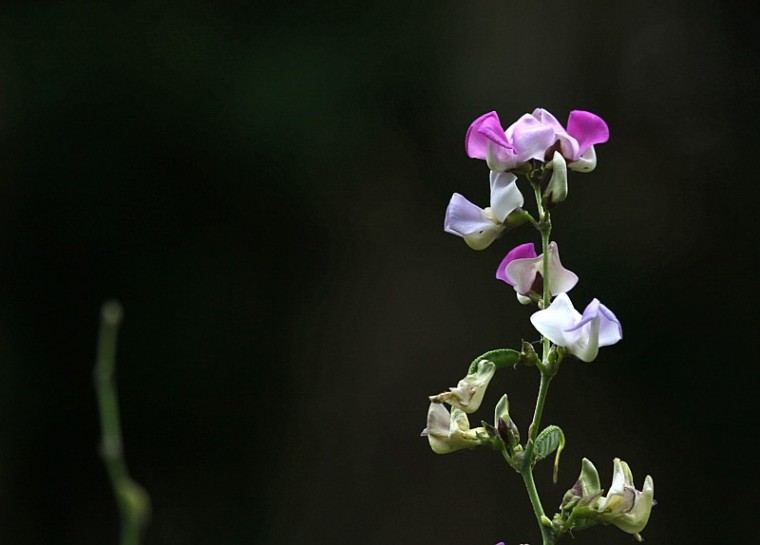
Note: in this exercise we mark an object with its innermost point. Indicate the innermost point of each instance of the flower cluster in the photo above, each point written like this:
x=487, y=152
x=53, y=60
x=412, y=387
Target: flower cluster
x=540, y=149
x=533, y=137
x=624, y=506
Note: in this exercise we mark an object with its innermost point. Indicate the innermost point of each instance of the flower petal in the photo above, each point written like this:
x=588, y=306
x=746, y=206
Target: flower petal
x=554, y=322
x=561, y=280
x=505, y=195
x=486, y=139
x=523, y=273
x=585, y=162
x=568, y=145
x=463, y=217
x=587, y=128
x=556, y=190
x=635, y=520
x=530, y=138
x=468, y=393
x=523, y=251
x=610, y=330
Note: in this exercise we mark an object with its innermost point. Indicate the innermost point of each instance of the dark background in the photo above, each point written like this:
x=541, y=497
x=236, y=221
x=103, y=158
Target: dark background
x=263, y=186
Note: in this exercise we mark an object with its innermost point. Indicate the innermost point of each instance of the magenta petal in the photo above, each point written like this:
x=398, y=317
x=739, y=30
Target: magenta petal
x=523, y=251
x=486, y=128
x=587, y=128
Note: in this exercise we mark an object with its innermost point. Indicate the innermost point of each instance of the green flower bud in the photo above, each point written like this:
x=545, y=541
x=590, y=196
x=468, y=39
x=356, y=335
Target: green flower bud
x=556, y=190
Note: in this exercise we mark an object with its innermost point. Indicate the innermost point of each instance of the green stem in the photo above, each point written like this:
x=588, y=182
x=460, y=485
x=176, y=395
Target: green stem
x=547, y=533
x=547, y=370
x=133, y=502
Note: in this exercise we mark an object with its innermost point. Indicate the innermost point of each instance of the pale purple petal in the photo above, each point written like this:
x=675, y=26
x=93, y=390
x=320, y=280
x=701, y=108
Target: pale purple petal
x=547, y=118
x=487, y=128
x=505, y=195
x=589, y=313
x=463, y=217
x=567, y=144
x=530, y=138
x=470, y=222
x=561, y=280
x=587, y=128
x=523, y=251
x=523, y=273
x=555, y=321
x=610, y=329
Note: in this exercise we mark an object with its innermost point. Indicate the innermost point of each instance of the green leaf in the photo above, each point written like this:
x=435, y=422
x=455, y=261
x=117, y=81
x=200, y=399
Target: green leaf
x=502, y=357
x=549, y=440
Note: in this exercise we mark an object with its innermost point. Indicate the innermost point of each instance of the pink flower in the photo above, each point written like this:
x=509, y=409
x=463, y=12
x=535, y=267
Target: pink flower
x=521, y=268
x=532, y=137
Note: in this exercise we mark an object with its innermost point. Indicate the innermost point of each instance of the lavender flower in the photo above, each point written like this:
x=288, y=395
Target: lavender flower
x=480, y=227
x=582, y=335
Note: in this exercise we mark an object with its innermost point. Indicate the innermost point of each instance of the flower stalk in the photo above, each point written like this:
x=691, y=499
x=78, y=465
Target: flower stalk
x=132, y=500
x=538, y=148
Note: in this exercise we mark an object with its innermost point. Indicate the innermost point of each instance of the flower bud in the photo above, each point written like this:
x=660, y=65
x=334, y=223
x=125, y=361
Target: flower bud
x=556, y=191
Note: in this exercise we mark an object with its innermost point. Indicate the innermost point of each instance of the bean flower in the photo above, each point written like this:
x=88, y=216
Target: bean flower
x=535, y=136
x=451, y=432
x=581, y=334
x=480, y=227
x=468, y=393
x=624, y=505
x=521, y=269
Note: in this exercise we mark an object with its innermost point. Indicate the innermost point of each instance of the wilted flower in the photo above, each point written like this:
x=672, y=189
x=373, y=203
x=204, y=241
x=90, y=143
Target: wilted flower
x=521, y=268
x=450, y=432
x=623, y=506
x=469, y=392
x=582, y=335
x=480, y=227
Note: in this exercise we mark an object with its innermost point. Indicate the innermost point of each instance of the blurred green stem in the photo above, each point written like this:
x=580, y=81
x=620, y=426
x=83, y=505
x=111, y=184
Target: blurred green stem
x=131, y=498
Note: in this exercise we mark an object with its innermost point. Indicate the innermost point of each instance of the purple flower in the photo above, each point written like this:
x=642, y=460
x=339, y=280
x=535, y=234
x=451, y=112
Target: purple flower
x=480, y=227
x=521, y=268
x=576, y=144
x=525, y=139
x=582, y=334
x=533, y=136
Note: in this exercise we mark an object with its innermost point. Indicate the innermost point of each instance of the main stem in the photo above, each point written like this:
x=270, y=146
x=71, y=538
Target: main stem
x=132, y=500
x=547, y=369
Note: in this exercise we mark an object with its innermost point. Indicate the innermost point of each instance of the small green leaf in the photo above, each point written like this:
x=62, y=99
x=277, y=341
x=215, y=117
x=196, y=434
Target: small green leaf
x=502, y=357
x=549, y=440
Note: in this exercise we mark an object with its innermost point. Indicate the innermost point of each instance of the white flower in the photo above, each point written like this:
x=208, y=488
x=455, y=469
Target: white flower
x=582, y=335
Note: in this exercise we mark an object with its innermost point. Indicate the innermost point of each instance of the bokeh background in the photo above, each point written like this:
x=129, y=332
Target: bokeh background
x=262, y=185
